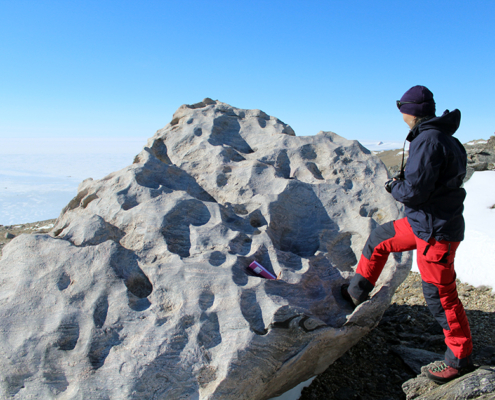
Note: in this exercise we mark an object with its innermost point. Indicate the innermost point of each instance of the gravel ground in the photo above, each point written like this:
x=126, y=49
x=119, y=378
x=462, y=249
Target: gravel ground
x=372, y=371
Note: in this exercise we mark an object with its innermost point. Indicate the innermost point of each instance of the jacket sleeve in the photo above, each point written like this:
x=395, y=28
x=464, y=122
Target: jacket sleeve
x=421, y=173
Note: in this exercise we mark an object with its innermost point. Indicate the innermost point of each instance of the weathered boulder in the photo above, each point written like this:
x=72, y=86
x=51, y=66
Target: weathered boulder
x=141, y=289
x=479, y=385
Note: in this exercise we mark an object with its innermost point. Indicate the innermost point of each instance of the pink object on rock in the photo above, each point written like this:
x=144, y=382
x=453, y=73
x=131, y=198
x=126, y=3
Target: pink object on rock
x=261, y=271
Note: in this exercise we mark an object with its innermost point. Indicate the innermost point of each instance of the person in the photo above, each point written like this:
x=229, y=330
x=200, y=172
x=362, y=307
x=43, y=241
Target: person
x=430, y=189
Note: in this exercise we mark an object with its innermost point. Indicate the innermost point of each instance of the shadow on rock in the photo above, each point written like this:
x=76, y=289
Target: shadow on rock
x=297, y=219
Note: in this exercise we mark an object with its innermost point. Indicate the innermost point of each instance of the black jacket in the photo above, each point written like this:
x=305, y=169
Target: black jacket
x=431, y=190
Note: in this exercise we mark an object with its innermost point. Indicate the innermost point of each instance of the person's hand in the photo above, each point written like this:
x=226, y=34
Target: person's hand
x=388, y=185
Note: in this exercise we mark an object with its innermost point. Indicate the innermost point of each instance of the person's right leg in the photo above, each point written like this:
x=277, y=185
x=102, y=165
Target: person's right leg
x=394, y=236
x=436, y=265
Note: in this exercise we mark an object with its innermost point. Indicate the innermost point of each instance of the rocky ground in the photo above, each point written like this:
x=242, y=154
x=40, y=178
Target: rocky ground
x=374, y=370
x=8, y=232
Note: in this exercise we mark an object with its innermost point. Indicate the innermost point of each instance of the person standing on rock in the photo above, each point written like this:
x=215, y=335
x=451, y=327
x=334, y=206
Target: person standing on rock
x=430, y=189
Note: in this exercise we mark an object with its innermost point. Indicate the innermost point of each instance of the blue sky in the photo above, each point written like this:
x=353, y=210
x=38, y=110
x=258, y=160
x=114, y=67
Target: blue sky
x=121, y=68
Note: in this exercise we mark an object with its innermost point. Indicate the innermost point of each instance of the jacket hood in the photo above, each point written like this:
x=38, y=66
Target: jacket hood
x=448, y=123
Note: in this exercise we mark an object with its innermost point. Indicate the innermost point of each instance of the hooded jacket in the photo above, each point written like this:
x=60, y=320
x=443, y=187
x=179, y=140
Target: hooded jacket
x=431, y=190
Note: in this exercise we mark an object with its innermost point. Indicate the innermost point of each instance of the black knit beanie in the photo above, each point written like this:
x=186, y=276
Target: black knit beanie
x=418, y=102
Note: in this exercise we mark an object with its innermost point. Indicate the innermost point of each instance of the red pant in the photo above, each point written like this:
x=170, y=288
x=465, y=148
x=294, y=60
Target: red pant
x=436, y=265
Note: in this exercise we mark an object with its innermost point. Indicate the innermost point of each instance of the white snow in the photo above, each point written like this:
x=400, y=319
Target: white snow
x=39, y=228
x=295, y=392
x=77, y=146
x=49, y=226
x=38, y=177
x=473, y=142
x=373, y=145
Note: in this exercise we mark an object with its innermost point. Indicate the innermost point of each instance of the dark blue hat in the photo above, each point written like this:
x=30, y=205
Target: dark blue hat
x=418, y=101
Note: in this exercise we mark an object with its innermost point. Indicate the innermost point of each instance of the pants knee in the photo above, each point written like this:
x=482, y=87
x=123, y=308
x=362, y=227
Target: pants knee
x=382, y=233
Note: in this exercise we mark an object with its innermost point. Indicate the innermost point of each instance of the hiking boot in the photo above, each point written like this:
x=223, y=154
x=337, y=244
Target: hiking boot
x=347, y=297
x=443, y=373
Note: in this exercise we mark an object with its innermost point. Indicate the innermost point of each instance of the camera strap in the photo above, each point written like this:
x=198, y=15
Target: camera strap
x=401, y=175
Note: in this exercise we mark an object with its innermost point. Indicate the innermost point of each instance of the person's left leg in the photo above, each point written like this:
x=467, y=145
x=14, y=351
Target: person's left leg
x=394, y=236
x=436, y=265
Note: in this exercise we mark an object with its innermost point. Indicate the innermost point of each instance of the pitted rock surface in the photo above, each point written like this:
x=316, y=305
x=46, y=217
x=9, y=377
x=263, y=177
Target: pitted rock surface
x=141, y=290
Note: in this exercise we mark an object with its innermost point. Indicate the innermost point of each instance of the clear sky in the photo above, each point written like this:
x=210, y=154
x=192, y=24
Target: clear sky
x=121, y=68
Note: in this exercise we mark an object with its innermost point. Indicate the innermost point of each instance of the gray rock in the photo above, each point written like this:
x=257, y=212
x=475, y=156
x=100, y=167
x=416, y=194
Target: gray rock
x=416, y=358
x=481, y=155
x=479, y=384
x=9, y=235
x=141, y=290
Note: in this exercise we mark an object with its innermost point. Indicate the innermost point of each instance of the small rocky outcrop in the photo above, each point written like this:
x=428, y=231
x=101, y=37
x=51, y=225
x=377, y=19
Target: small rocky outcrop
x=479, y=385
x=481, y=156
x=141, y=289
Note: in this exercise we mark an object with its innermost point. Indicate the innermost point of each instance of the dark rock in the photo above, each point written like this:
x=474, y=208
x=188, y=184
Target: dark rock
x=469, y=173
x=435, y=340
x=416, y=358
x=434, y=329
x=9, y=235
x=480, y=156
x=346, y=393
x=486, y=351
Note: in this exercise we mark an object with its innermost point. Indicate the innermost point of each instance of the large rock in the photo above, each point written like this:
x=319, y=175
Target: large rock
x=141, y=289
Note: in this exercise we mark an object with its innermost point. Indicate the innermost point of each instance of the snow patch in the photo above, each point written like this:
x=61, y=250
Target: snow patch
x=380, y=146
x=295, y=392
x=473, y=142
